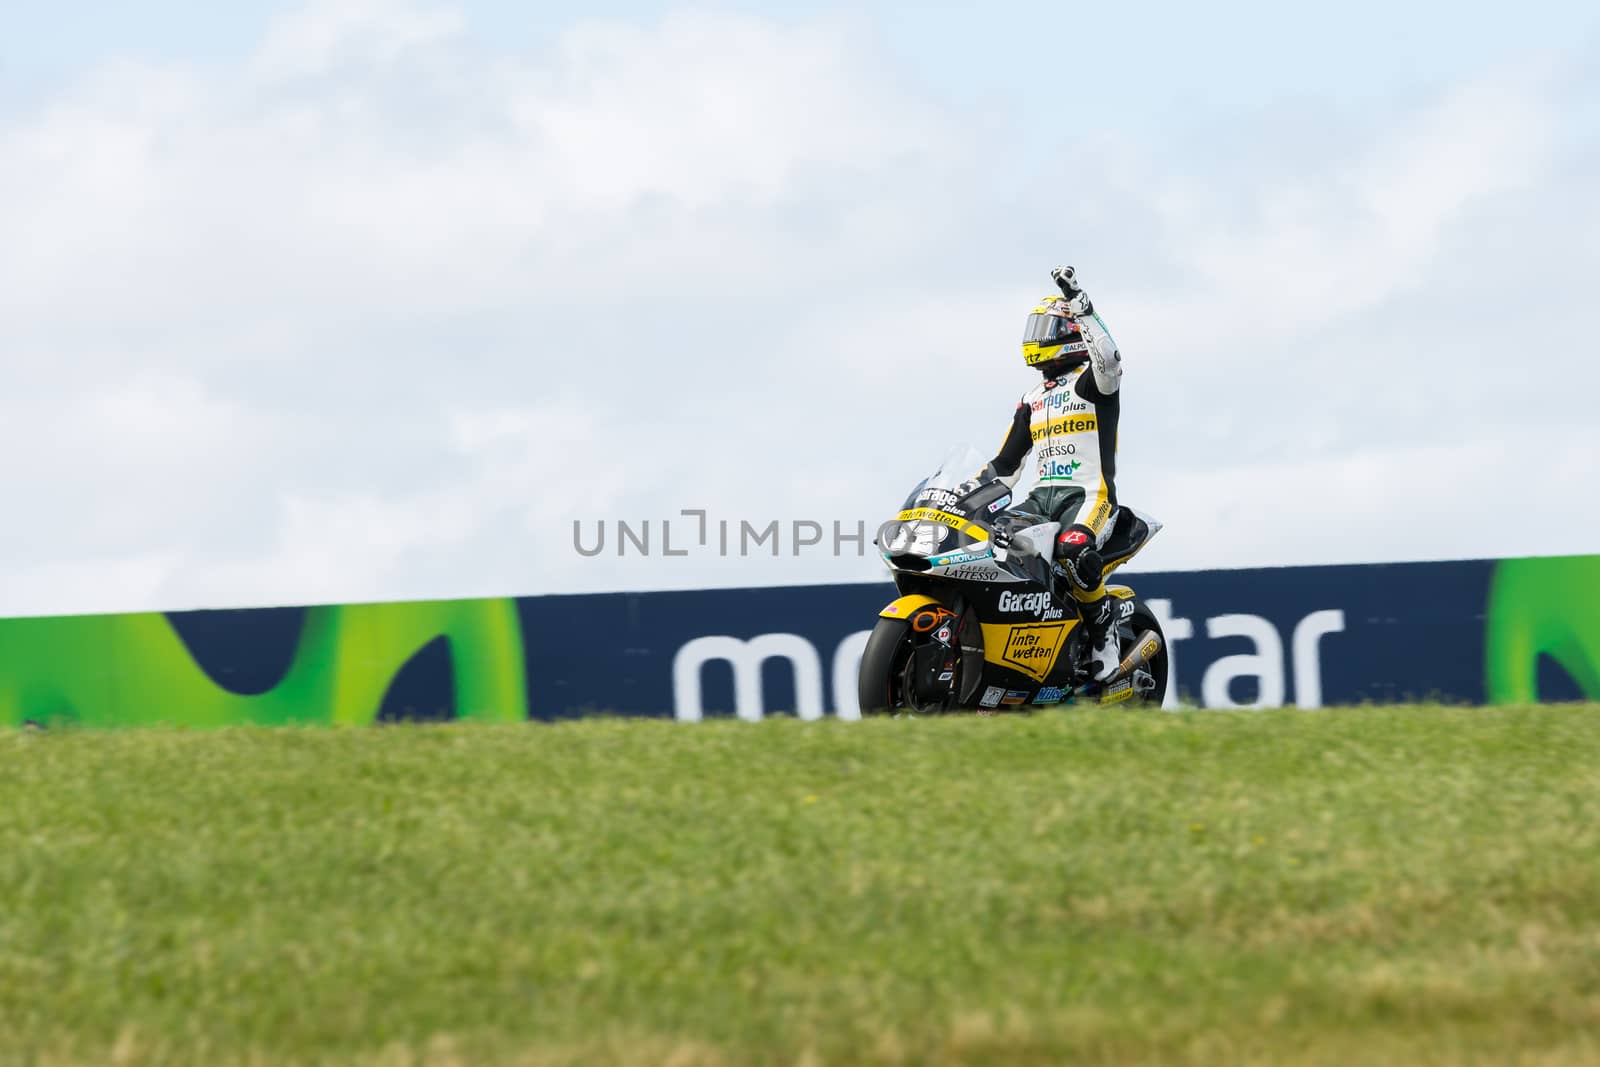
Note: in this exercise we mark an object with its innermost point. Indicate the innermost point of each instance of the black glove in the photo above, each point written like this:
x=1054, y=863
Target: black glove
x=979, y=480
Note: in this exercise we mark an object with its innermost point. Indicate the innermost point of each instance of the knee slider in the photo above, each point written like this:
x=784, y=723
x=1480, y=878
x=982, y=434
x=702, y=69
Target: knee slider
x=1086, y=569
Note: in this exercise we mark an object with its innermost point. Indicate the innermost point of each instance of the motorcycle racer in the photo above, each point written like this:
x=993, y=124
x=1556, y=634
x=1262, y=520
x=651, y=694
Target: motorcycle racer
x=1069, y=422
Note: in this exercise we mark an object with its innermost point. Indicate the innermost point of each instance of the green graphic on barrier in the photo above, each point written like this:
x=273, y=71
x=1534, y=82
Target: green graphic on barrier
x=1542, y=607
x=125, y=670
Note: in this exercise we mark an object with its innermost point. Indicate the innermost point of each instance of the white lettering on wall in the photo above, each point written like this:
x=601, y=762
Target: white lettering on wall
x=1174, y=630
x=746, y=658
x=846, y=673
x=1308, y=656
x=1265, y=664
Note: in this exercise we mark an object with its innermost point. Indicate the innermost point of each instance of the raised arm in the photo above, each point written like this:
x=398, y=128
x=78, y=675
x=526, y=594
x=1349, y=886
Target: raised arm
x=1105, y=360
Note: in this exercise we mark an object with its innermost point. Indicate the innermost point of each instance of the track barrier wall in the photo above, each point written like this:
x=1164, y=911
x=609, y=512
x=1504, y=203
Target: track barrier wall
x=1474, y=631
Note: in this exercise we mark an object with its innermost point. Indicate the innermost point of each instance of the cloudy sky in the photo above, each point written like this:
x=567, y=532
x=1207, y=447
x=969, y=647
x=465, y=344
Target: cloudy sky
x=372, y=299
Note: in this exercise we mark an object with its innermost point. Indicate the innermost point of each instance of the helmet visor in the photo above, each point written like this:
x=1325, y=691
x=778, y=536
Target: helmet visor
x=1048, y=330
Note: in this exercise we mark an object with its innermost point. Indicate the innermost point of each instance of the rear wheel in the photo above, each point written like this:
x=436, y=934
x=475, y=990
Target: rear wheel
x=1150, y=682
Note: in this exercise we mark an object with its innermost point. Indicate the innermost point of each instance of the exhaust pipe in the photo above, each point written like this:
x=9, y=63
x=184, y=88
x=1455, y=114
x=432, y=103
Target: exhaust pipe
x=1145, y=649
x=1119, y=686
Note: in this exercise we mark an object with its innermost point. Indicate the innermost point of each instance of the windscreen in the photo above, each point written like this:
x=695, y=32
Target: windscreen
x=961, y=463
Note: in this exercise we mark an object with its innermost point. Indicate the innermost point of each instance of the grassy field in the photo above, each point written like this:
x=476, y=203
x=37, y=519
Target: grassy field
x=1375, y=886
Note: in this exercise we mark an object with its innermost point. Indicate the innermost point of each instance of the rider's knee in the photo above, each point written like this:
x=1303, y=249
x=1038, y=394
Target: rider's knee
x=1080, y=558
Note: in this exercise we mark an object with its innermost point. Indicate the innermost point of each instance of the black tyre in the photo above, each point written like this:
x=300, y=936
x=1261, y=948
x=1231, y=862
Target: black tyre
x=883, y=665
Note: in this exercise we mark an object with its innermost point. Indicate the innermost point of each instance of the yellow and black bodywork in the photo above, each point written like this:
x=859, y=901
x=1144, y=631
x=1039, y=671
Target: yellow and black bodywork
x=979, y=630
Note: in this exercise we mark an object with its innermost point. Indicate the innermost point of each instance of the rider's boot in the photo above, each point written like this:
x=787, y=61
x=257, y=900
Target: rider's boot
x=1086, y=586
x=1099, y=617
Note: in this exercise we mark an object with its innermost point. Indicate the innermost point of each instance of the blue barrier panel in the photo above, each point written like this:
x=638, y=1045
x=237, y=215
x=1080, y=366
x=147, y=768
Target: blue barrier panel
x=1303, y=635
x=618, y=652
x=1470, y=631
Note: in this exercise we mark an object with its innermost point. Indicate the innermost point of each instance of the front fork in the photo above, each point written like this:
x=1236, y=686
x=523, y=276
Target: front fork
x=937, y=660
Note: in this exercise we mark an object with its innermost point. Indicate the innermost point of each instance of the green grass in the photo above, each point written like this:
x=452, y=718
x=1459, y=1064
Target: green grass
x=1404, y=886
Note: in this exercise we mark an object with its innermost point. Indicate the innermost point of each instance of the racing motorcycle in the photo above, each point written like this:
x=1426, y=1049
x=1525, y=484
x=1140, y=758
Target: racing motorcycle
x=978, y=626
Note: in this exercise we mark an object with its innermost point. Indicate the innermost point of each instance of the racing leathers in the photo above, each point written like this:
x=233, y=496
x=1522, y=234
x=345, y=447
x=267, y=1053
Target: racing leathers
x=1069, y=423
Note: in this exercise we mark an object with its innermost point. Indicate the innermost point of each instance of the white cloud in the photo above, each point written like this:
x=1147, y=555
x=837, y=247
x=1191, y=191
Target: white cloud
x=378, y=314
x=335, y=35
x=1315, y=248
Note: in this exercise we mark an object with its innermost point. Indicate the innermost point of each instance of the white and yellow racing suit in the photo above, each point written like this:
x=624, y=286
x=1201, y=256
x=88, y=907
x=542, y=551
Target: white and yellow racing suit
x=1069, y=423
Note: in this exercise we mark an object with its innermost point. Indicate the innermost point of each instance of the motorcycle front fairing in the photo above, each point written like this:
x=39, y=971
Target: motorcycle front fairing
x=943, y=528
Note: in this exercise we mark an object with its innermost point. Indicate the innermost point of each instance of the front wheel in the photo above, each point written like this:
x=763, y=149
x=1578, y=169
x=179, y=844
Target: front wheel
x=894, y=678
x=883, y=664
